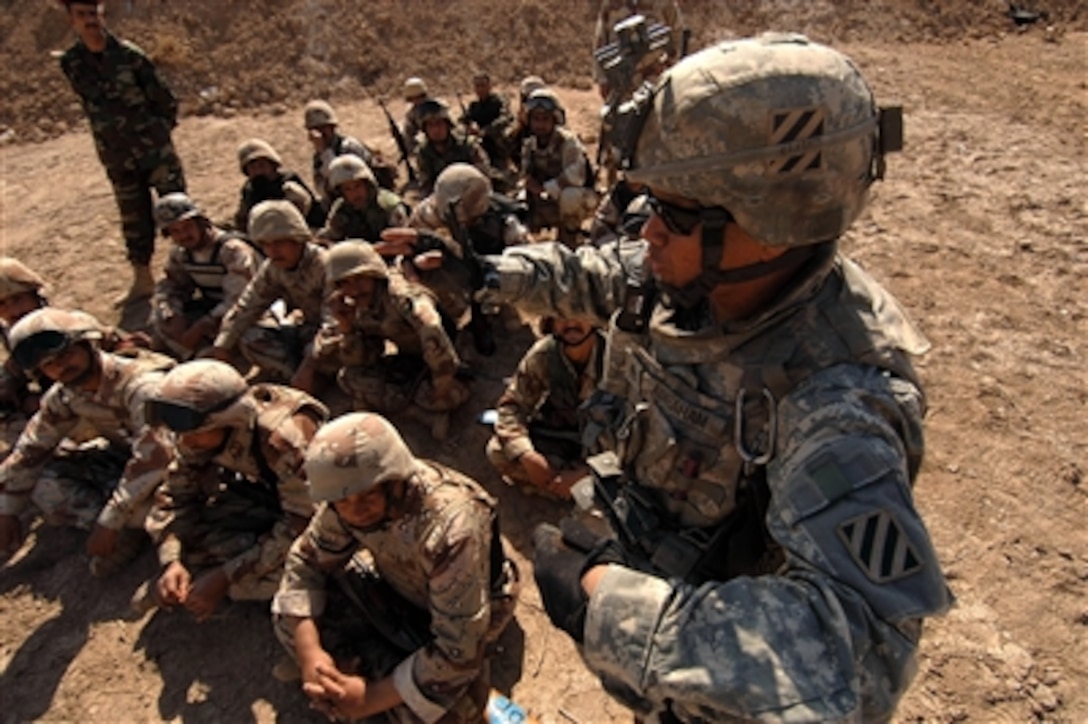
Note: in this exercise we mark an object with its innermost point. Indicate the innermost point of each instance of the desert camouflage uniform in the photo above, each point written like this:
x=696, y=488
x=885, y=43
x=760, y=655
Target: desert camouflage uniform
x=413, y=124
x=666, y=12
x=444, y=557
x=341, y=145
x=500, y=226
x=830, y=422
x=539, y=409
x=278, y=347
x=286, y=185
x=98, y=481
x=383, y=210
x=242, y=508
x=406, y=315
x=562, y=167
x=430, y=161
x=203, y=283
x=131, y=113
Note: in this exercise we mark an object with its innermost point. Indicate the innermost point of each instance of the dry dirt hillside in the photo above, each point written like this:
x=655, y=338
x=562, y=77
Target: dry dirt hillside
x=981, y=230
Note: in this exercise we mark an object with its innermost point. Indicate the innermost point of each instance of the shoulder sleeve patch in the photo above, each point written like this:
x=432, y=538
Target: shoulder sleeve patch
x=879, y=546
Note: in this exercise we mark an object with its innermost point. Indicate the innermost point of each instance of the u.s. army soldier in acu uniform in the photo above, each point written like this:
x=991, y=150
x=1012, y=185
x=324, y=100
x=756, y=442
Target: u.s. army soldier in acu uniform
x=205, y=273
x=424, y=546
x=131, y=112
x=105, y=484
x=765, y=419
x=235, y=497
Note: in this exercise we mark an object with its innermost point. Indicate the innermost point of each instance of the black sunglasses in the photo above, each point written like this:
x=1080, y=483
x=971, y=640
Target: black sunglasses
x=678, y=219
x=36, y=348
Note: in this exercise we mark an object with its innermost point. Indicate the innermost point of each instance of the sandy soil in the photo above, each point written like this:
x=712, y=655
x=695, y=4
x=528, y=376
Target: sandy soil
x=981, y=229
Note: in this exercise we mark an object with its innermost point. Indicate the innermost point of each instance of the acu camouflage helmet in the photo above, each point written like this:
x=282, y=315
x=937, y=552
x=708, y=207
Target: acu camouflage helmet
x=466, y=186
x=277, y=219
x=48, y=331
x=350, y=168
x=351, y=258
x=173, y=207
x=192, y=395
x=546, y=99
x=16, y=278
x=781, y=132
x=256, y=148
x=317, y=114
x=355, y=453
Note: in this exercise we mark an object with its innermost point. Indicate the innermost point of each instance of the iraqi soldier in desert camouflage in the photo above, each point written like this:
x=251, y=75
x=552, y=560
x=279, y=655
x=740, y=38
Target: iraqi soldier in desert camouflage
x=415, y=93
x=372, y=305
x=441, y=146
x=294, y=272
x=556, y=175
x=419, y=545
x=204, y=275
x=106, y=484
x=21, y=292
x=362, y=208
x=131, y=112
x=322, y=128
x=235, y=497
x=537, y=442
x=267, y=181
x=762, y=417
x=488, y=117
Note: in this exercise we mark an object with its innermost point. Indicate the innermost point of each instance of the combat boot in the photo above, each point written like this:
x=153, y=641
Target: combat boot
x=143, y=285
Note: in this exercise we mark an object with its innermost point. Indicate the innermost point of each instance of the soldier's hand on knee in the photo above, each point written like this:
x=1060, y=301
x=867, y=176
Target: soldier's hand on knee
x=343, y=694
x=538, y=469
x=11, y=535
x=102, y=541
x=206, y=593
x=173, y=584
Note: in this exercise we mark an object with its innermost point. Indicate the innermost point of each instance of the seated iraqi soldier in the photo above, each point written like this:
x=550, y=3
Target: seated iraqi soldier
x=537, y=441
x=322, y=127
x=418, y=546
x=488, y=116
x=442, y=147
x=519, y=130
x=235, y=497
x=205, y=273
x=371, y=306
x=363, y=209
x=415, y=93
x=294, y=272
x=266, y=181
x=556, y=173
x=104, y=484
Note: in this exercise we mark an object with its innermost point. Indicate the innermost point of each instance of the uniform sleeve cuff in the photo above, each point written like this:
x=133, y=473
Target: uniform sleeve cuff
x=405, y=684
x=169, y=551
x=112, y=517
x=301, y=604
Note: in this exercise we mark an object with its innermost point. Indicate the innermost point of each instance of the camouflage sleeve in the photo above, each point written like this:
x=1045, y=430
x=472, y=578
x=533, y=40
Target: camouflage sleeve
x=335, y=224
x=434, y=677
x=833, y=635
x=323, y=547
x=410, y=130
x=175, y=510
x=255, y=299
x=357, y=148
x=515, y=233
x=521, y=400
x=574, y=167
x=426, y=216
x=173, y=290
x=241, y=262
x=160, y=99
x=19, y=471
x=549, y=278
x=152, y=452
x=438, y=350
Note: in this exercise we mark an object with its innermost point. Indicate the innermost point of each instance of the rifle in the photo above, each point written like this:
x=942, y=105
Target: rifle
x=480, y=326
x=402, y=145
x=464, y=113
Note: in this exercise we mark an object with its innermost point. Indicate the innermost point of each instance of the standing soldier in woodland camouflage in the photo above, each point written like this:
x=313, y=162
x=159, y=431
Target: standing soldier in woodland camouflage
x=370, y=306
x=416, y=548
x=106, y=484
x=537, y=442
x=556, y=174
x=362, y=208
x=442, y=147
x=759, y=408
x=205, y=273
x=131, y=112
x=236, y=496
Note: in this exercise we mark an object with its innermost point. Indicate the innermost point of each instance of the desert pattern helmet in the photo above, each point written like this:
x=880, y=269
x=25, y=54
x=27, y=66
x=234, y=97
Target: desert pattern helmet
x=16, y=278
x=529, y=84
x=781, y=132
x=467, y=187
x=318, y=114
x=176, y=206
x=414, y=88
x=434, y=109
x=277, y=219
x=48, y=331
x=355, y=453
x=351, y=258
x=255, y=148
x=546, y=99
x=192, y=393
x=350, y=168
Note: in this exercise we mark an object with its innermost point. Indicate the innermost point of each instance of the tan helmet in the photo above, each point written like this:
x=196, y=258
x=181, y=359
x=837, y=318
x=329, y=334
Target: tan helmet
x=466, y=186
x=434, y=109
x=414, y=87
x=176, y=206
x=350, y=167
x=277, y=219
x=546, y=99
x=47, y=331
x=195, y=394
x=355, y=453
x=528, y=85
x=352, y=257
x=781, y=132
x=255, y=148
x=319, y=113
x=16, y=278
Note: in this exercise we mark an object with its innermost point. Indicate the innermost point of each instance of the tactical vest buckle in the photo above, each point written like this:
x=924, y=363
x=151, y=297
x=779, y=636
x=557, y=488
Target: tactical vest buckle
x=755, y=457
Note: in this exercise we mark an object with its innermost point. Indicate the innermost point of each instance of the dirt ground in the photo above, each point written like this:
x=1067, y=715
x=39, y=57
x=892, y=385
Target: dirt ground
x=981, y=230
